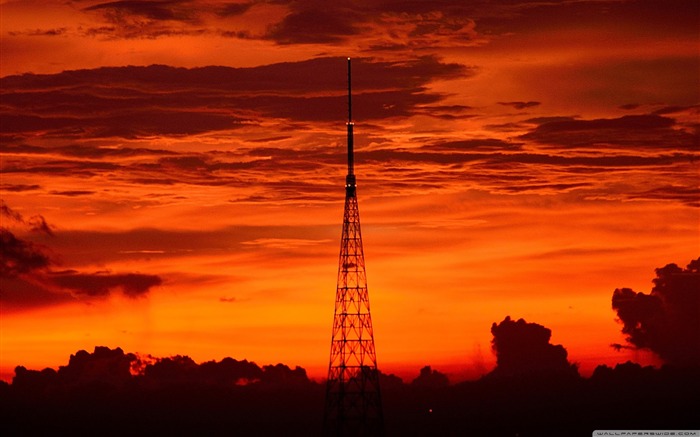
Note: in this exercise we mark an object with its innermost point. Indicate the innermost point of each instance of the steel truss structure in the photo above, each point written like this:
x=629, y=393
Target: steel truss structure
x=353, y=400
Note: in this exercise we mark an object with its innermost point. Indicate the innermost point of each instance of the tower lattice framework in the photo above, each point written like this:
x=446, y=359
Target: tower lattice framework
x=353, y=400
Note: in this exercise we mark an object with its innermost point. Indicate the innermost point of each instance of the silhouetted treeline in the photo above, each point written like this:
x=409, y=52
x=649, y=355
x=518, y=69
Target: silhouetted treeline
x=533, y=390
x=109, y=392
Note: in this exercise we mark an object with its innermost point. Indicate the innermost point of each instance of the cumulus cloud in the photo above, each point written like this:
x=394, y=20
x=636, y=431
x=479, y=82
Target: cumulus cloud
x=667, y=320
x=523, y=348
x=111, y=366
x=429, y=377
x=115, y=367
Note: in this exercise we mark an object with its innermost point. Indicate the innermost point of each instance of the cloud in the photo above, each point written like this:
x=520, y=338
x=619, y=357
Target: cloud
x=315, y=22
x=233, y=9
x=29, y=277
x=179, y=10
x=166, y=101
x=109, y=366
x=20, y=257
x=431, y=378
x=130, y=19
x=176, y=394
x=520, y=105
x=40, y=32
x=382, y=25
x=688, y=195
x=394, y=26
x=480, y=145
x=36, y=223
x=18, y=188
x=72, y=193
x=650, y=131
x=503, y=17
x=10, y=213
x=102, y=284
x=666, y=321
x=523, y=348
x=116, y=369
x=629, y=106
x=84, y=152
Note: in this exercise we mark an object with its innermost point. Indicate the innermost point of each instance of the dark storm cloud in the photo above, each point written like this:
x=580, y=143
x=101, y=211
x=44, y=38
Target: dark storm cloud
x=666, y=321
x=523, y=348
x=648, y=131
x=160, y=100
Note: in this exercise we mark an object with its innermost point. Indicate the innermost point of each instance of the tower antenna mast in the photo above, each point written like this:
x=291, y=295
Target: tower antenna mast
x=349, y=92
x=353, y=401
x=350, y=179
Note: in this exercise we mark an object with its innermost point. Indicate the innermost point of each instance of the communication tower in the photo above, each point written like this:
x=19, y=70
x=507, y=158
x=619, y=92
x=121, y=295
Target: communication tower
x=353, y=401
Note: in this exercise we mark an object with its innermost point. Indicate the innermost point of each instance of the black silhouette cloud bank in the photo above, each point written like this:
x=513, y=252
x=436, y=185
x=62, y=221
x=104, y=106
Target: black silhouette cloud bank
x=524, y=348
x=667, y=320
x=534, y=391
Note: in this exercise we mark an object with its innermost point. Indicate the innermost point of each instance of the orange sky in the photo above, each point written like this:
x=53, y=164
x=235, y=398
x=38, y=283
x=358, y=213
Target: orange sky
x=513, y=158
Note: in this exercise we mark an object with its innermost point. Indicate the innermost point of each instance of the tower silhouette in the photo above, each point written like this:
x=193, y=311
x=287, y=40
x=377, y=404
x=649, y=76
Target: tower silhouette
x=353, y=401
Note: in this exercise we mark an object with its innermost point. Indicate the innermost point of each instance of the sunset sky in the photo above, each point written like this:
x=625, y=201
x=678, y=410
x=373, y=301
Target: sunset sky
x=173, y=173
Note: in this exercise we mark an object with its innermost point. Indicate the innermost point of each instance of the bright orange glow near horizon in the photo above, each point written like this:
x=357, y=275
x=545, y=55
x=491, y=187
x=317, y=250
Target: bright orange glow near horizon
x=172, y=174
